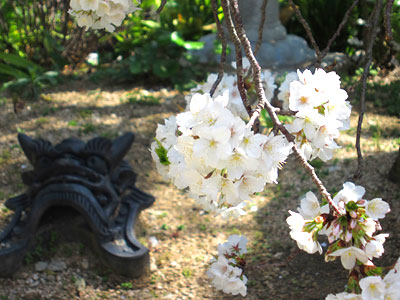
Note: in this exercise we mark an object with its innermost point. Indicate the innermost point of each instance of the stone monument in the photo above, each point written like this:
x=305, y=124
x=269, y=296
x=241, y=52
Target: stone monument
x=278, y=50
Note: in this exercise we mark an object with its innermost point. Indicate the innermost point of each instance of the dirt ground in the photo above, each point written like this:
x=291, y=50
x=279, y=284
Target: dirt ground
x=186, y=236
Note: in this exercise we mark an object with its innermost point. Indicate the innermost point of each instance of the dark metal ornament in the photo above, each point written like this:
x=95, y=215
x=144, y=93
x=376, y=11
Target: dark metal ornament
x=94, y=181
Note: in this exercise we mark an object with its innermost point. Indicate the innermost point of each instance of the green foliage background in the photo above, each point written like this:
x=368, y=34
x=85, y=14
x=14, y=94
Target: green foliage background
x=39, y=40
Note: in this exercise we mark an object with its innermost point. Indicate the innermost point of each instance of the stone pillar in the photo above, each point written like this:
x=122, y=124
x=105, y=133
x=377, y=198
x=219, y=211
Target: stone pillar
x=250, y=11
x=278, y=50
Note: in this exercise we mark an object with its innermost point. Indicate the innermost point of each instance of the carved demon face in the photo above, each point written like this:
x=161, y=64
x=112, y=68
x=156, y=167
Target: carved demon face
x=94, y=180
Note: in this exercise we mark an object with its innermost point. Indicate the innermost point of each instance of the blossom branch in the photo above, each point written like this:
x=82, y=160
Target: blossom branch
x=261, y=26
x=222, y=38
x=238, y=51
x=336, y=34
x=306, y=27
x=283, y=112
x=263, y=102
x=368, y=61
x=161, y=7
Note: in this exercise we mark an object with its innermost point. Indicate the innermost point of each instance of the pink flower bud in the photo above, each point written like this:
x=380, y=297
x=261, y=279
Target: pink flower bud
x=331, y=239
x=353, y=214
x=353, y=223
x=378, y=226
x=348, y=236
x=336, y=230
x=361, y=202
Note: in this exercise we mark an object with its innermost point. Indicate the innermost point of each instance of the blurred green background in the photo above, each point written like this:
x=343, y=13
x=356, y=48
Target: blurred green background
x=41, y=45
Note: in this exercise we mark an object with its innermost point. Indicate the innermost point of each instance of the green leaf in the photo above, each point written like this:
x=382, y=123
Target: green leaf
x=18, y=61
x=15, y=84
x=151, y=24
x=49, y=76
x=218, y=47
x=54, y=49
x=188, y=45
x=375, y=271
x=351, y=205
x=13, y=72
x=162, y=153
x=119, y=37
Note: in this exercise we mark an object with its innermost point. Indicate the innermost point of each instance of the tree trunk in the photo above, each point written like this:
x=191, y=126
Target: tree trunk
x=394, y=174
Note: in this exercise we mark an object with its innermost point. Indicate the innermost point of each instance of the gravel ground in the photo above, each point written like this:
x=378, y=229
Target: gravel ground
x=181, y=236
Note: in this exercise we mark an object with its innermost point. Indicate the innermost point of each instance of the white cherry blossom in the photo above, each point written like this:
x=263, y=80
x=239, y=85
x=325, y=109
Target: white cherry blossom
x=377, y=208
x=321, y=112
x=350, y=192
x=310, y=208
x=306, y=242
x=393, y=292
x=234, y=212
x=251, y=143
x=249, y=184
x=235, y=242
x=348, y=256
x=236, y=285
x=100, y=14
x=226, y=277
x=284, y=89
x=295, y=221
x=369, y=226
x=373, y=288
x=343, y=296
x=213, y=146
x=268, y=81
x=374, y=248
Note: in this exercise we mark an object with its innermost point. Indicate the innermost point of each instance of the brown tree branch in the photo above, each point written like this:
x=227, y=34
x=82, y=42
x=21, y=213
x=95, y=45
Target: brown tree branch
x=368, y=61
x=261, y=26
x=306, y=27
x=283, y=112
x=338, y=30
x=238, y=51
x=222, y=38
x=161, y=7
x=263, y=102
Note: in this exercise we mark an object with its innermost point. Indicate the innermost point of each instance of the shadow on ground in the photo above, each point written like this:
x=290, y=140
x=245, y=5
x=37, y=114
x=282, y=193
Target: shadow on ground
x=279, y=270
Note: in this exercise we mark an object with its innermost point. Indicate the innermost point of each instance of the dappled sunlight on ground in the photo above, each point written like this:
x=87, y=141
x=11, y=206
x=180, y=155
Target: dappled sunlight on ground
x=186, y=236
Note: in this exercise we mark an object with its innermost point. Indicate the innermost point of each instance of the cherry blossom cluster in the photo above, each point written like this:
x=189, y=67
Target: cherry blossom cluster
x=229, y=82
x=375, y=287
x=350, y=235
x=214, y=155
x=226, y=269
x=100, y=14
x=321, y=111
x=319, y=104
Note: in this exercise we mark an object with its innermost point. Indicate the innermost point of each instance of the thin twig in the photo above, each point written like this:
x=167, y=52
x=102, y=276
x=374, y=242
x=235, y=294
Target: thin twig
x=238, y=52
x=368, y=60
x=283, y=112
x=261, y=26
x=263, y=102
x=222, y=38
x=388, y=26
x=338, y=30
x=160, y=8
x=306, y=27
